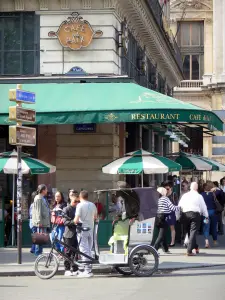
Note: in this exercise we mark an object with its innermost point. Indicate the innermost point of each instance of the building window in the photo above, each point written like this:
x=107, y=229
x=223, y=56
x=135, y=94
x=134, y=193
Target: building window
x=19, y=44
x=191, y=43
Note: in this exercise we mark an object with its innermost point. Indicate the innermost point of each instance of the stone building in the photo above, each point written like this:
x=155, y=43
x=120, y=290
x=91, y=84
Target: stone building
x=130, y=38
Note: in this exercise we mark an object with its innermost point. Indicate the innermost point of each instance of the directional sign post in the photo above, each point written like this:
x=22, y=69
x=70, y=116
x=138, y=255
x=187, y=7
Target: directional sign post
x=20, y=136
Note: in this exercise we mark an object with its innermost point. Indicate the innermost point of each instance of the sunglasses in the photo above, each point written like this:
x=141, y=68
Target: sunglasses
x=168, y=189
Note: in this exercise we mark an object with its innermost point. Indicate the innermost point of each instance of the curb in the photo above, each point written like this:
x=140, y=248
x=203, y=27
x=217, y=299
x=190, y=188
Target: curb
x=104, y=271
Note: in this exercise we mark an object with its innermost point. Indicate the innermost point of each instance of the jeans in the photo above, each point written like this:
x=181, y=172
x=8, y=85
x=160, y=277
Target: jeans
x=39, y=248
x=220, y=223
x=161, y=239
x=85, y=240
x=191, y=221
x=33, y=230
x=213, y=219
x=60, y=231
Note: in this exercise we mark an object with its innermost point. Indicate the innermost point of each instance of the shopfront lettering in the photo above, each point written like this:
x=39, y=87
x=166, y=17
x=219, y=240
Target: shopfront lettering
x=75, y=33
x=199, y=117
x=155, y=116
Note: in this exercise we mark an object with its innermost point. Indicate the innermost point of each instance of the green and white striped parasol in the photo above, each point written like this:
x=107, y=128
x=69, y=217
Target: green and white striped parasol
x=139, y=162
x=8, y=164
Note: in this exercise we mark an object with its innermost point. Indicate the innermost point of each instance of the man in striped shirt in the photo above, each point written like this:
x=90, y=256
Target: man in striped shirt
x=193, y=206
x=165, y=207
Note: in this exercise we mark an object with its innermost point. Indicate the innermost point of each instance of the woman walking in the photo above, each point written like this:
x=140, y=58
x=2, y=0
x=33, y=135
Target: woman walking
x=209, y=198
x=171, y=219
x=59, y=204
x=165, y=207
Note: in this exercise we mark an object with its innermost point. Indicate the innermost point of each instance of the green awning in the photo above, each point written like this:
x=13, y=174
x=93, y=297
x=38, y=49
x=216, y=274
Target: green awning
x=80, y=103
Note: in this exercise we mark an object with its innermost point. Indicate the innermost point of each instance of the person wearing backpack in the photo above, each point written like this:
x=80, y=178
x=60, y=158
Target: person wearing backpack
x=220, y=195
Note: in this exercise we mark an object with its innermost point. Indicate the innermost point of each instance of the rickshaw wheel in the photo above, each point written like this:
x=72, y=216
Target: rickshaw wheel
x=143, y=261
x=126, y=271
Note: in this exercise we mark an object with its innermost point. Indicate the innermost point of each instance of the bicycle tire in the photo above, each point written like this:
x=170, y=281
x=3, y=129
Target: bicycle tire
x=135, y=267
x=45, y=256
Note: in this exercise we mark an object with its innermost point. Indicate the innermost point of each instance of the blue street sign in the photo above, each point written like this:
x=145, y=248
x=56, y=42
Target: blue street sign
x=85, y=127
x=25, y=97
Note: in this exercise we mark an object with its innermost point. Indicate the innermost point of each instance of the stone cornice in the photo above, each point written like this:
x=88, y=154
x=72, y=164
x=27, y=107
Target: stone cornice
x=147, y=32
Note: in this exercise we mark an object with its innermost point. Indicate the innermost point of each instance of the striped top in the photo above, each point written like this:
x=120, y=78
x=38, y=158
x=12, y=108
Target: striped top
x=165, y=206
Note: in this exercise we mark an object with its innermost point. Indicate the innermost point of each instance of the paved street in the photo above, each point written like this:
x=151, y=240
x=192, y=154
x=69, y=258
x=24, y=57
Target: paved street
x=195, y=284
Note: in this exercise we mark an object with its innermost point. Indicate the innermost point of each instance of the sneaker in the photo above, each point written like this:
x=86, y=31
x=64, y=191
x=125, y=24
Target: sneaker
x=197, y=251
x=215, y=243
x=84, y=275
x=68, y=273
x=75, y=273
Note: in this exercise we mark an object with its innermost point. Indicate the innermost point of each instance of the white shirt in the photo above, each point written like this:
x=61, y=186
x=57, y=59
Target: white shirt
x=86, y=211
x=193, y=201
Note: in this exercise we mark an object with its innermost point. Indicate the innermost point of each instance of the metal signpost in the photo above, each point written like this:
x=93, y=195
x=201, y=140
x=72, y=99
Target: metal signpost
x=21, y=136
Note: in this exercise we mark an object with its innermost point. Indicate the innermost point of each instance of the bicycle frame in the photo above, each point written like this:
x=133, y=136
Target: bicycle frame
x=75, y=251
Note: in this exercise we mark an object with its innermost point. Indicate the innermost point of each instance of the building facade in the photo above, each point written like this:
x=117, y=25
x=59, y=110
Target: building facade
x=198, y=27
x=117, y=39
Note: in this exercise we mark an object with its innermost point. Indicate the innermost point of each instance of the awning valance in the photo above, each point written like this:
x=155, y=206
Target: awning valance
x=80, y=103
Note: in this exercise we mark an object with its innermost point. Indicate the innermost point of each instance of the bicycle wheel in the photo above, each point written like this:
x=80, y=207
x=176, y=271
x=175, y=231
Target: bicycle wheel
x=144, y=261
x=46, y=265
x=126, y=271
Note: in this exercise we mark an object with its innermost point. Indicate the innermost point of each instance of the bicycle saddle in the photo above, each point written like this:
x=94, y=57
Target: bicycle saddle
x=85, y=228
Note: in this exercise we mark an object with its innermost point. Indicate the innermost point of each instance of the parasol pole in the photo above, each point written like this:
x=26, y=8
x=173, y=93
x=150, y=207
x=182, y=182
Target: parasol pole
x=13, y=214
x=142, y=179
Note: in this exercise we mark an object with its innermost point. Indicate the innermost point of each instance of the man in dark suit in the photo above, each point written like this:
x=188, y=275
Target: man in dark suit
x=70, y=235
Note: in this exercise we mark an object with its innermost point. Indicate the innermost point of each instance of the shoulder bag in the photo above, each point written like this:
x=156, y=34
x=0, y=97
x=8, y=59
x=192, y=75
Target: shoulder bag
x=219, y=207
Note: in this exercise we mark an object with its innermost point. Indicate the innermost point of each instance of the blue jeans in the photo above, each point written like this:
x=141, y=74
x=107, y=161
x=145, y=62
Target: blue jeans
x=39, y=248
x=213, y=223
x=33, y=230
x=60, y=231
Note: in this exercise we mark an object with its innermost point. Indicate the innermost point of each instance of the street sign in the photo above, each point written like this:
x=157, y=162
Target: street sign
x=22, y=96
x=19, y=114
x=22, y=136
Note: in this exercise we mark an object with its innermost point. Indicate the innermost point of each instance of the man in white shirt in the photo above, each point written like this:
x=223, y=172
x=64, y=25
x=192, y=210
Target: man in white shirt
x=192, y=206
x=86, y=213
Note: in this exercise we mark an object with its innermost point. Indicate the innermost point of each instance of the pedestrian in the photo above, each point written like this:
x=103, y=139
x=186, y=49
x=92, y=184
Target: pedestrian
x=71, y=193
x=220, y=195
x=192, y=206
x=171, y=219
x=70, y=235
x=209, y=198
x=32, y=228
x=184, y=188
x=222, y=184
x=165, y=207
x=41, y=214
x=86, y=213
x=58, y=220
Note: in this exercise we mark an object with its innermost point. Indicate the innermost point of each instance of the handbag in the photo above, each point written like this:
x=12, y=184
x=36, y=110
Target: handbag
x=40, y=238
x=219, y=207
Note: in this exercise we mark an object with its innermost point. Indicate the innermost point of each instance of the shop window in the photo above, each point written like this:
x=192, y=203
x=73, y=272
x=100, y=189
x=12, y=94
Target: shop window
x=19, y=44
x=191, y=43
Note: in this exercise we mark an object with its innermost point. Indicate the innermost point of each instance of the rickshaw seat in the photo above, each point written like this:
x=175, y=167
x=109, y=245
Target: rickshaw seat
x=120, y=233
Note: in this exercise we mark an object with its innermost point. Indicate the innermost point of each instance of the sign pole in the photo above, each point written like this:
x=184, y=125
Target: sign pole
x=20, y=136
x=19, y=196
x=19, y=204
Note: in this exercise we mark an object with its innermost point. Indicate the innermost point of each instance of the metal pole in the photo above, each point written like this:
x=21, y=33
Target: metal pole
x=19, y=200
x=13, y=213
x=142, y=179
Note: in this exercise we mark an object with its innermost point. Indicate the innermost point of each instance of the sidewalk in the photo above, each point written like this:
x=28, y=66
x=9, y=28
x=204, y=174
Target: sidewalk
x=167, y=262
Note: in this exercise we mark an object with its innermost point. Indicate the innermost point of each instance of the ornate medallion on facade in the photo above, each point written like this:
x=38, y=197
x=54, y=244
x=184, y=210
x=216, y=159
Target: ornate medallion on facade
x=75, y=33
x=111, y=117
